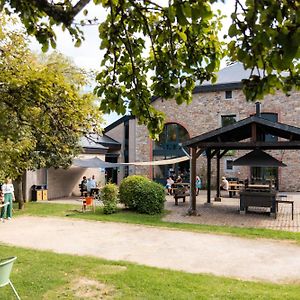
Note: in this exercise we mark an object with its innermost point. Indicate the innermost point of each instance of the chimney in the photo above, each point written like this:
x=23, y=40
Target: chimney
x=257, y=105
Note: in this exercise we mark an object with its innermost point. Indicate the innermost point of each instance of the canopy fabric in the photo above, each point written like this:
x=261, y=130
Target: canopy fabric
x=258, y=158
x=96, y=162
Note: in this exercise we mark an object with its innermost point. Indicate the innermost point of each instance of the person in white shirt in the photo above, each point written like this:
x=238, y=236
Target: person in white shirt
x=92, y=186
x=169, y=184
x=224, y=184
x=9, y=196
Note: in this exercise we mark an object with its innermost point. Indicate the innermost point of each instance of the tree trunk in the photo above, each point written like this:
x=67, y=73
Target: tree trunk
x=19, y=191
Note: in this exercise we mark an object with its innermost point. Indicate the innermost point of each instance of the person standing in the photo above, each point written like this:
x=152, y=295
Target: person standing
x=198, y=185
x=9, y=196
x=92, y=186
x=83, y=184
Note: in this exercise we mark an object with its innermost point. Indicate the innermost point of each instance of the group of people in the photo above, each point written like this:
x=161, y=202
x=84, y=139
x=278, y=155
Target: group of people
x=88, y=186
x=7, y=197
x=170, y=182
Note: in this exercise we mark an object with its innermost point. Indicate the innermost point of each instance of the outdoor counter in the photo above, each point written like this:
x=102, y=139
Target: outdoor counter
x=258, y=199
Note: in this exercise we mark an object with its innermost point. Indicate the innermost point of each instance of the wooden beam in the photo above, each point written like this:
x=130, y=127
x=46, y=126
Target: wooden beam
x=192, y=209
x=223, y=153
x=214, y=153
x=253, y=132
x=251, y=145
x=208, y=175
x=200, y=151
x=218, y=196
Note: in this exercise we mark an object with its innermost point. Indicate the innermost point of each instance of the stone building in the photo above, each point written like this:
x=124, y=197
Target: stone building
x=65, y=182
x=213, y=106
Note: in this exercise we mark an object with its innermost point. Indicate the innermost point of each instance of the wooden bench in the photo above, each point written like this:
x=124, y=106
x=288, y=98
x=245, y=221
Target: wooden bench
x=180, y=193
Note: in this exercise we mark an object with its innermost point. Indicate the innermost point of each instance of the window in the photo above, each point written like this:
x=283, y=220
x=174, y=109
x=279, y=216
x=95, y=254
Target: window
x=228, y=94
x=168, y=146
x=169, y=139
x=228, y=120
x=228, y=164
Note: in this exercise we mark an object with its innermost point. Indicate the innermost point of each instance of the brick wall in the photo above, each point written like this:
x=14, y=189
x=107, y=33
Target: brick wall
x=204, y=114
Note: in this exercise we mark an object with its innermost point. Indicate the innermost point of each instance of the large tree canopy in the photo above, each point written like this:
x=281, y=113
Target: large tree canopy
x=42, y=109
x=184, y=47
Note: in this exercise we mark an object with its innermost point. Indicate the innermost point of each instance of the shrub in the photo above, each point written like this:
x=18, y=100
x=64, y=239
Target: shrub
x=109, y=197
x=151, y=198
x=129, y=190
x=141, y=194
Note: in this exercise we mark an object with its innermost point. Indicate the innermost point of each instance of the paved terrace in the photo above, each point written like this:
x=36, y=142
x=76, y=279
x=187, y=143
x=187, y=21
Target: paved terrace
x=227, y=213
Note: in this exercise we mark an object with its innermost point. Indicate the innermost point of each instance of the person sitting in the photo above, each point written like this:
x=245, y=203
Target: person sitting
x=224, y=184
x=169, y=184
x=179, y=179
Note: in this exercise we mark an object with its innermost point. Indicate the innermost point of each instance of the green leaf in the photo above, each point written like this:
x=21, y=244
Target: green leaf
x=182, y=35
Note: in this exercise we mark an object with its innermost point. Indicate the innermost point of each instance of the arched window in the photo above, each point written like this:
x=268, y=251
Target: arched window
x=168, y=146
x=169, y=140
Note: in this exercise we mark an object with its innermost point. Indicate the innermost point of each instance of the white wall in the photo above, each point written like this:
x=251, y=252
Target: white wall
x=64, y=182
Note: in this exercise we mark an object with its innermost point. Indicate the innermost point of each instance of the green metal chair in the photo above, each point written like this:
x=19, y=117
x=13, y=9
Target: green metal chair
x=5, y=270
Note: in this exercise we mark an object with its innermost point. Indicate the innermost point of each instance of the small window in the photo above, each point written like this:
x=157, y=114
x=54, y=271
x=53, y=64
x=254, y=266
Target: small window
x=228, y=94
x=229, y=166
x=228, y=120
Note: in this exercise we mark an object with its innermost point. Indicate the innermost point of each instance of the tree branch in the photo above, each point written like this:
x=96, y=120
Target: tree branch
x=59, y=12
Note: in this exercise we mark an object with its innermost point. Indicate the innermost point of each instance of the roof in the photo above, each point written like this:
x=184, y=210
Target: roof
x=95, y=141
x=232, y=73
x=90, y=143
x=230, y=137
x=118, y=122
x=258, y=158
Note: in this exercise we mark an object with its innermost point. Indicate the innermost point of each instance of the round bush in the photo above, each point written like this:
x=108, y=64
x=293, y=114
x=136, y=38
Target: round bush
x=129, y=190
x=109, y=197
x=151, y=198
x=140, y=194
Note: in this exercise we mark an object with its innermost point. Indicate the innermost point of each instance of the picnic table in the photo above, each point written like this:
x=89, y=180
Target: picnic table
x=180, y=191
x=234, y=187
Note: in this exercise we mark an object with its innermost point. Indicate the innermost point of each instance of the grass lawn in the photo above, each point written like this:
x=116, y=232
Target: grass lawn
x=46, y=275
x=125, y=216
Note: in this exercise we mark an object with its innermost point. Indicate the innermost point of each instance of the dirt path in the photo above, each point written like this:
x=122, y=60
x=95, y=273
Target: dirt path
x=191, y=252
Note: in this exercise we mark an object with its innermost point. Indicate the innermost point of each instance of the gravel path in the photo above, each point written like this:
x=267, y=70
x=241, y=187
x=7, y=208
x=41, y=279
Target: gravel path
x=274, y=261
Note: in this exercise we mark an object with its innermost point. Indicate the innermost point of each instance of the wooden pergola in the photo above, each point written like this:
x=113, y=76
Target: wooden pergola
x=243, y=135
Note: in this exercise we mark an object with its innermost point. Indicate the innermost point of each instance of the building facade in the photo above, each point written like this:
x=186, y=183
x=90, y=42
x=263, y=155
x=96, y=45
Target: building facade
x=213, y=106
x=62, y=183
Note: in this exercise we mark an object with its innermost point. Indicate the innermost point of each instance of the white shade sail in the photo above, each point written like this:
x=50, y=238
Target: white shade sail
x=96, y=162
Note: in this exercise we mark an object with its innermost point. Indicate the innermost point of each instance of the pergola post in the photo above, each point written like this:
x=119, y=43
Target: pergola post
x=192, y=209
x=208, y=153
x=218, y=195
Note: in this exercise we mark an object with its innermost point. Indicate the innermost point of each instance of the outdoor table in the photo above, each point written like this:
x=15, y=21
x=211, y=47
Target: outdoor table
x=282, y=198
x=234, y=187
x=258, y=199
x=180, y=190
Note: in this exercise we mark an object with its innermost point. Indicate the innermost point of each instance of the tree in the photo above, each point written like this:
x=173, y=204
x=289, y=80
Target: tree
x=184, y=47
x=43, y=111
